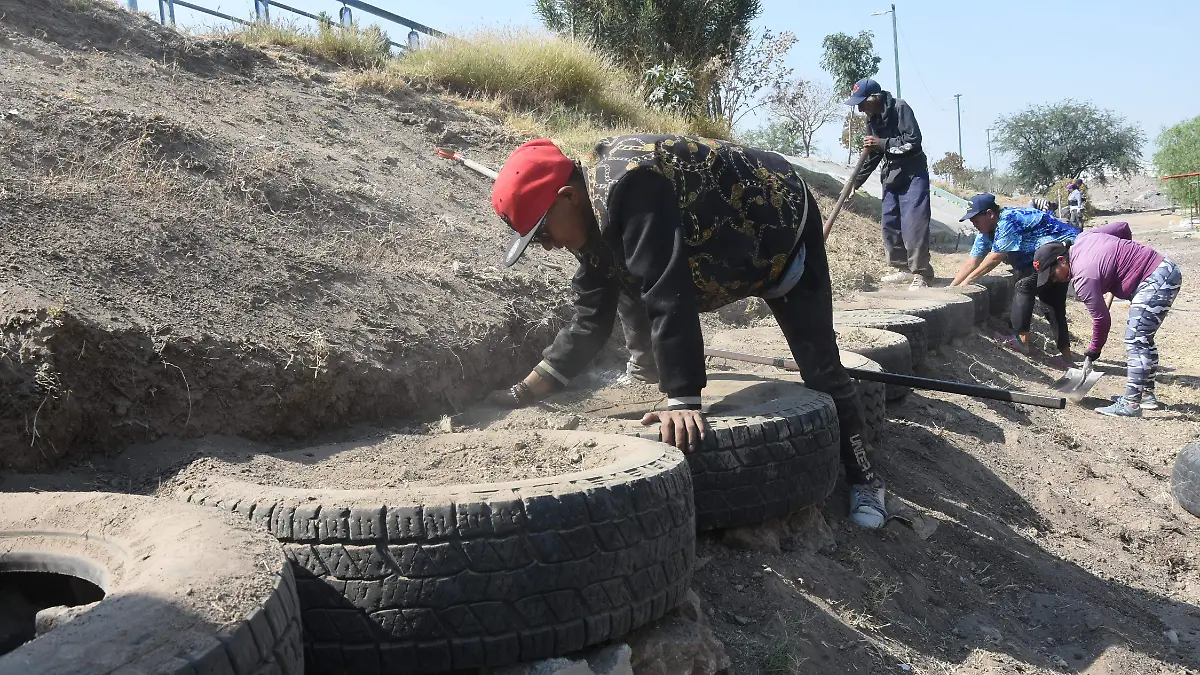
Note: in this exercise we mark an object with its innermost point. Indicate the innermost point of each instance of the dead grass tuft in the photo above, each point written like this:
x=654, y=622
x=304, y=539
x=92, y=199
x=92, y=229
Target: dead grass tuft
x=352, y=46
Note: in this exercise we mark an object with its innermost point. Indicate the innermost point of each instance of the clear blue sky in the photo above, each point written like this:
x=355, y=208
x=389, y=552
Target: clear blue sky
x=1132, y=57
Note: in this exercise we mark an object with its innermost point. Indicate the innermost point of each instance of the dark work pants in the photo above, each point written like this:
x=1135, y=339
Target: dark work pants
x=906, y=214
x=635, y=323
x=1053, y=294
x=805, y=315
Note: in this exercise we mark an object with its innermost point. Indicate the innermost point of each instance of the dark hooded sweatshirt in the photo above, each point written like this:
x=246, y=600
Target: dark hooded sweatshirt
x=902, y=156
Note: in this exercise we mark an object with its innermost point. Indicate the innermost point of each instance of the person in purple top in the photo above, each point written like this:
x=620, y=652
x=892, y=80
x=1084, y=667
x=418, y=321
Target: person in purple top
x=1107, y=260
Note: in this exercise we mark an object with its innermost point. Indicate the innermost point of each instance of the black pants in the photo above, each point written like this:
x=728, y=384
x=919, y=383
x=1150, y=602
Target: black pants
x=805, y=315
x=1053, y=294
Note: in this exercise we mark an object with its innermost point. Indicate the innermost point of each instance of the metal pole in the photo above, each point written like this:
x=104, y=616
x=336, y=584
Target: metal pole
x=958, y=104
x=989, y=135
x=346, y=17
x=896, y=50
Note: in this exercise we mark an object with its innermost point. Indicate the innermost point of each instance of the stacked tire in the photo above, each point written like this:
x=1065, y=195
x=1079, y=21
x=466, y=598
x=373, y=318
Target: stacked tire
x=913, y=328
x=935, y=313
x=888, y=349
x=474, y=576
x=955, y=312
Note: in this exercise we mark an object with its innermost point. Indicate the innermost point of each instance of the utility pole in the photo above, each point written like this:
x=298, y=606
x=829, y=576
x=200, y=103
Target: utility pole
x=896, y=49
x=958, y=104
x=989, y=137
x=895, y=44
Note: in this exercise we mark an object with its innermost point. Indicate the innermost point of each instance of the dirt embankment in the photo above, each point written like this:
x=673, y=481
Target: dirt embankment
x=205, y=238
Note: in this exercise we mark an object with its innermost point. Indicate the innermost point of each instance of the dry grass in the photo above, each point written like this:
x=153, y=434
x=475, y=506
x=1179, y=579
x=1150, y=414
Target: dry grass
x=542, y=85
x=354, y=47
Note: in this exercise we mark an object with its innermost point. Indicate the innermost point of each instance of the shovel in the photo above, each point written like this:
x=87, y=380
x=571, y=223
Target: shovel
x=1079, y=381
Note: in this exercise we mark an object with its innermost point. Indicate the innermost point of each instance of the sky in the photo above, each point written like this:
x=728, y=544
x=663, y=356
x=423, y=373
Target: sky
x=1002, y=56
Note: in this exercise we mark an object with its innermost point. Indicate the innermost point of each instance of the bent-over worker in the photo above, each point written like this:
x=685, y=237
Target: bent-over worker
x=1012, y=235
x=1107, y=260
x=683, y=225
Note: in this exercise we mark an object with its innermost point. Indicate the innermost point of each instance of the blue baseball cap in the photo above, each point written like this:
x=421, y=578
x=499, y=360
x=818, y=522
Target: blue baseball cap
x=979, y=204
x=863, y=89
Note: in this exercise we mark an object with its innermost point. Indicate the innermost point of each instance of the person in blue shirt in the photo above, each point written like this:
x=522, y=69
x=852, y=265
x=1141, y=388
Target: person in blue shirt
x=1012, y=235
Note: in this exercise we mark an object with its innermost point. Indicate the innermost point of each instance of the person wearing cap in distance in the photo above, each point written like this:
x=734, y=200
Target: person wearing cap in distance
x=894, y=139
x=1107, y=260
x=1012, y=235
x=684, y=225
x=1075, y=202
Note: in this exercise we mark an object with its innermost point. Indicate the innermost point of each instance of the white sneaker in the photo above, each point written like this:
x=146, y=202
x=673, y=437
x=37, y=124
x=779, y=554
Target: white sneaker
x=918, y=283
x=896, y=278
x=866, y=505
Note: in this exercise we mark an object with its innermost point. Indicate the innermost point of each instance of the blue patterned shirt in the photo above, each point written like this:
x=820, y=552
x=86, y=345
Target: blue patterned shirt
x=1019, y=233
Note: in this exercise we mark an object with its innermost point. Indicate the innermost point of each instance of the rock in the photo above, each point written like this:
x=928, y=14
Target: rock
x=682, y=643
x=50, y=618
x=446, y=425
x=612, y=660
x=391, y=161
x=1172, y=636
x=1060, y=662
x=745, y=312
x=435, y=125
x=567, y=422
x=741, y=620
x=805, y=529
x=448, y=137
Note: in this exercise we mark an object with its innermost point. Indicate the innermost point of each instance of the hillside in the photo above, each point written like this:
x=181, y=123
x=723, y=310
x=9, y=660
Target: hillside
x=208, y=237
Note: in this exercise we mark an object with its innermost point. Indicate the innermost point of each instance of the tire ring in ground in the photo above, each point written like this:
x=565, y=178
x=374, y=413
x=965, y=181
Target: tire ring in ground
x=957, y=318
x=160, y=565
x=762, y=460
x=873, y=395
x=911, y=327
x=1000, y=291
x=934, y=312
x=978, y=295
x=887, y=348
x=486, y=575
x=1185, y=478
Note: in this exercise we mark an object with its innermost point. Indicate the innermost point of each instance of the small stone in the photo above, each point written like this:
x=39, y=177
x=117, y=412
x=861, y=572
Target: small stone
x=756, y=574
x=738, y=587
x=446, y=425
x=1172, y=636
x=612, y=660
x=741, y=620
x=391, y=161
x=1058, y=661
x=567, y=423
x=435, y=125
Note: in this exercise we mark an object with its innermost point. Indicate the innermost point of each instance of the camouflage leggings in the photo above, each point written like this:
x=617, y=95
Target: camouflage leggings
x=1150, y=304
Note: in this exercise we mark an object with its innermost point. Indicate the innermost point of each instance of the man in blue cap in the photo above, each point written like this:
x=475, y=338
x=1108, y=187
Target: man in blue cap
x=894, y=140
x=1012, y=235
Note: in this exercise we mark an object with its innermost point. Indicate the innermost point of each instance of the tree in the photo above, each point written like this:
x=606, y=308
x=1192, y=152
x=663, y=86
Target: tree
x=1178, y=151
x=738, y=78
x=854, y=129
x=804, y=107
x=849, y=58
x=1066, y=140
x=951, y=166
x=775, y=136
x=640, y=34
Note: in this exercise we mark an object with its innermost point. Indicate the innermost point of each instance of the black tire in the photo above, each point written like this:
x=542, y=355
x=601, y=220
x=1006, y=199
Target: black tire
x=163, y=568
x=979, y=296
x=1000, y=291
x=957, y=318
x=762, y=460
x=889, y=349
x=935, y=313
x=911, y=327
x=769, y=341
x=1185, y=478
x=487, y=575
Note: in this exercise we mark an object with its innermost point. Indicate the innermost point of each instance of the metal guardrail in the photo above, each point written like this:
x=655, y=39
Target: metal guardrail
x=262, y=12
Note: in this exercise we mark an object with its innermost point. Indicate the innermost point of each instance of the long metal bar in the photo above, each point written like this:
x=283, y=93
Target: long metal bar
x=972, y=390
x=394, y=18
x=205, y=10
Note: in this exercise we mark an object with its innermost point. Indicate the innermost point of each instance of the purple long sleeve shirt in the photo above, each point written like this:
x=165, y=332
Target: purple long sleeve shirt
x=1107, y=260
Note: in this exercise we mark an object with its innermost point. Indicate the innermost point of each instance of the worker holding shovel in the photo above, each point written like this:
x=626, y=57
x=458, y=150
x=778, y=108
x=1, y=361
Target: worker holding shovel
x=684, y=225
x=1107, y=260
x=1012, y=235
x=894, y=140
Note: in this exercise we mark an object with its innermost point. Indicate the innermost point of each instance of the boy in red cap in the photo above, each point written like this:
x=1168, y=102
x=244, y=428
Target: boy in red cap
x=683, y=225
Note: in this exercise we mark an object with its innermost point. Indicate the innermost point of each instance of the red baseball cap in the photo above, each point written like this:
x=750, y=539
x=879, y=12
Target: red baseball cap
x=525, y=188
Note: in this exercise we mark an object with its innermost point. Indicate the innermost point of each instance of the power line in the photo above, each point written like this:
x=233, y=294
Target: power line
x=913, y=60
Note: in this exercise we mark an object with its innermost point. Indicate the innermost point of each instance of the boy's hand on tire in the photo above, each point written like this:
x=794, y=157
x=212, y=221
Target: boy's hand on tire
x=685, y=429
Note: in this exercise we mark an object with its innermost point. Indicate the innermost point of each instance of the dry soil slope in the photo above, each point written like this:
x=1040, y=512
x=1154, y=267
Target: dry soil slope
x=204, y=238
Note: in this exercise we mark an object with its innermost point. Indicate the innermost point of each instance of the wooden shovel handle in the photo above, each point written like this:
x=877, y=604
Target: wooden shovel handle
x=846, y=190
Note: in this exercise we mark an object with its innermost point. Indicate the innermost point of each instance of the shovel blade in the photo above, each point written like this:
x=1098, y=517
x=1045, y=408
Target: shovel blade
x=1075, y=385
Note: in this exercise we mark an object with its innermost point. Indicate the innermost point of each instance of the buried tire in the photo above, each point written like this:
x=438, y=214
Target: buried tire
x=911, y=327
x=432, y=578
x=771, y=451
x=999, y=286
x=184, y=590
x=956, y=312
x=889, y=349
x=933, y=312
x=1185, y=478
x=978, y=294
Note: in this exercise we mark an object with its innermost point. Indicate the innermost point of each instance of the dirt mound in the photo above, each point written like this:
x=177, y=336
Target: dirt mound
x=408, y=460
x=185, y=258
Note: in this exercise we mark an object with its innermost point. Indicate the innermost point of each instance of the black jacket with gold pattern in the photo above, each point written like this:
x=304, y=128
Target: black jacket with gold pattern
x=686, y=225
